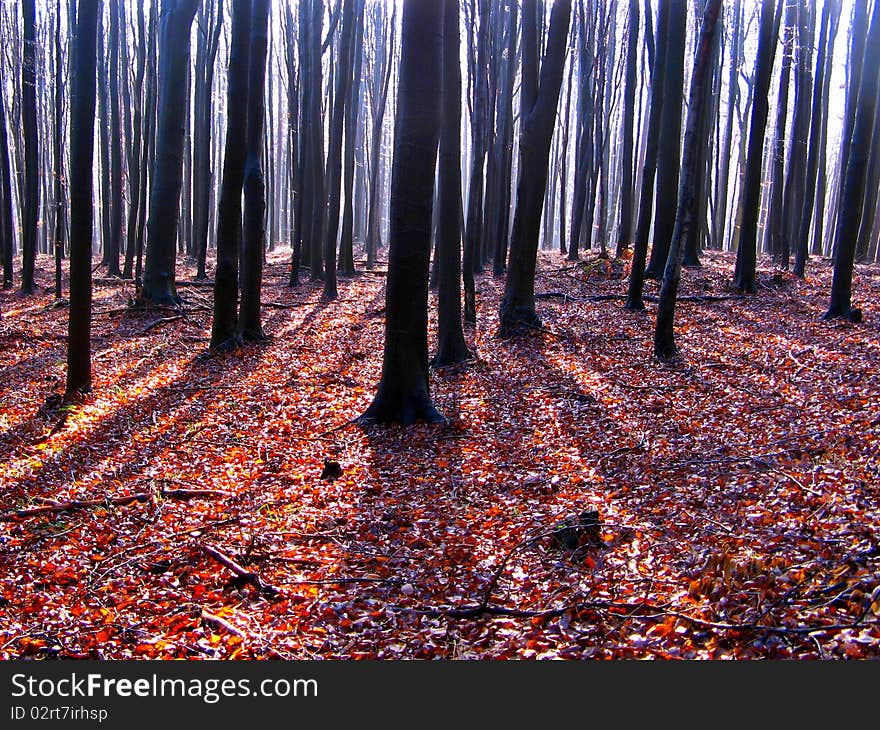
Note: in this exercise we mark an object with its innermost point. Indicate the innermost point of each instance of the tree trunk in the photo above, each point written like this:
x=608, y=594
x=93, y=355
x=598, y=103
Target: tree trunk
x=159, y=285
x=82, y=148
x=254, y=238
x=114, y=243
x=537, y=119
x=692, y=156
x=479, y=134
x=634, y=300
x=7, y=232
x=31, y=148
x=346, y=239
x=224, y=330
x=818, y=119
x=334, y=155
x=403, y=393
x=59, y=194
x=669, y=158
x=852, y=199
x=451, y=347
x=625, y=222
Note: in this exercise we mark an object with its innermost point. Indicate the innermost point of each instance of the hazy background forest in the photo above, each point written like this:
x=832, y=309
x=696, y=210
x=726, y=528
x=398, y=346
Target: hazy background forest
x=439, y=328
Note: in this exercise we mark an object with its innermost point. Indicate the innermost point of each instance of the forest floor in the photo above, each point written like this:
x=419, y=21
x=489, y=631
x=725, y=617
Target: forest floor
x=737, y=489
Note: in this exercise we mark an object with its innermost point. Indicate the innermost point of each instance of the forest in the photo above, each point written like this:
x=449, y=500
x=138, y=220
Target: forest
x=441, y=329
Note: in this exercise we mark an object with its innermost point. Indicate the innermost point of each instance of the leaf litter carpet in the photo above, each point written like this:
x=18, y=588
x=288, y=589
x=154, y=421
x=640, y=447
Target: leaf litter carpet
x=731, y=496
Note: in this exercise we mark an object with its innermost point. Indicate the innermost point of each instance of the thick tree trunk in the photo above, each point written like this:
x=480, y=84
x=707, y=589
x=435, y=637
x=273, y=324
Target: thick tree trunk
x=403, y=393
x=692, y=156
x=82, y=147
x=538, y=115
x=224, y=329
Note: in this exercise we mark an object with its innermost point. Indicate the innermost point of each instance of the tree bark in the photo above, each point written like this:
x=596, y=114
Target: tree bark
x=249, y=326
x=852, y=199
x=224, y=329
x=537, y=118
x=692, y=154
x=159, y=286
x=403, y=394
x=451, y=347
x=746, y=253
x=30, y=211
x=82, y=148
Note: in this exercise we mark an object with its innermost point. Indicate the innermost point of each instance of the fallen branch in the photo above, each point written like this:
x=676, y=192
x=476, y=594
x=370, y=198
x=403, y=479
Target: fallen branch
x=76, y=504
x=221, y=623
x=245, y=576
x=702, y=298
x=157, y=322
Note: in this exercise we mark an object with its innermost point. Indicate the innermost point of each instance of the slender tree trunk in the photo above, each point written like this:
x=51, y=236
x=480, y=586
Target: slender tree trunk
x=114, y=243
x=692, y=153
x=7, y=232
x=254, y=239
x=159, y=285
x=538, y=115
x=58, y=156
x=31, y=207
x=203, y=142
x=479, y=132
x=346, y=240
x=852, y=199
x=82, y=147
x=451, y=347
x=746, y=253
x=334, y=157
x=818, y=117
x=625, y=222
x=634, y=299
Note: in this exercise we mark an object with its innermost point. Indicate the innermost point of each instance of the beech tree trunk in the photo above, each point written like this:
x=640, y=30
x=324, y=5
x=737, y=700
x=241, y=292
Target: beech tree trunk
x=747, y=253
x=82, y=148
x=403, y=394
x=539, y=100
x=634, y=300
x=254, y=240
x=30, y=210
x=224, y=329
x=854, y=185
x=669, y=158
x=159, y=286
x=451, y=347
x=692, y=156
